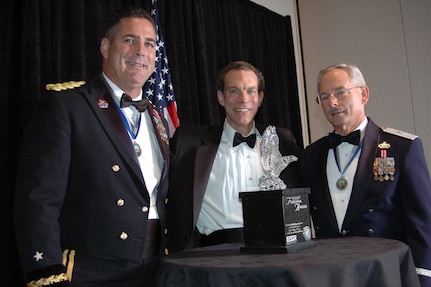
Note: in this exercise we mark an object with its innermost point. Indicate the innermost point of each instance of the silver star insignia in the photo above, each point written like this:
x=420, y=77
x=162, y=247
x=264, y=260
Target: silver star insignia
x=38, y=256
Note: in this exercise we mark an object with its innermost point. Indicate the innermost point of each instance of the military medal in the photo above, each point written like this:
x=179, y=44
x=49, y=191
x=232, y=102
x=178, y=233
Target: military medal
x=133, y=134
x=384, y=166
x=137, y=148
x=342, y=183
x=160, y=126
x=391, y=168
x=376, y=169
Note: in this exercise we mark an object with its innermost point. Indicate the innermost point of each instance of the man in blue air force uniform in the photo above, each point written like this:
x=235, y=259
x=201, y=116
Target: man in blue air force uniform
x=366, y=180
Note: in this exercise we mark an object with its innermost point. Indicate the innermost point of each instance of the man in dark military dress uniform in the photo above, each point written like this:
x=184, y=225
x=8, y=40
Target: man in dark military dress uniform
x=93, y=172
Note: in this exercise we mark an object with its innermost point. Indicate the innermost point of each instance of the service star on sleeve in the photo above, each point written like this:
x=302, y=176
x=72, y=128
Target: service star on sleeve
x=38, y=256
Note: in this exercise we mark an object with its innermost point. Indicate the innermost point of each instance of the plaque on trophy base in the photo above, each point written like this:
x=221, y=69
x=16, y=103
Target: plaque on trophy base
x=276, y=221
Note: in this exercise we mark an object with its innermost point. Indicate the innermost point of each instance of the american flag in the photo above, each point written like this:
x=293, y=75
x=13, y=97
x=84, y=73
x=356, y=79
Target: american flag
x=159, y=89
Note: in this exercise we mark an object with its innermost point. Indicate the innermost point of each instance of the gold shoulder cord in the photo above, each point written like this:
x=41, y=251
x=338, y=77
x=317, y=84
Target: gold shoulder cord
x=64, y=86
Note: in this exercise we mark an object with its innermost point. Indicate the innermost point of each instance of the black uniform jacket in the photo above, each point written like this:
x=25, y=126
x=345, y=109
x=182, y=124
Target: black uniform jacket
x=398, y=209
x=79, y=184
x=193, y=151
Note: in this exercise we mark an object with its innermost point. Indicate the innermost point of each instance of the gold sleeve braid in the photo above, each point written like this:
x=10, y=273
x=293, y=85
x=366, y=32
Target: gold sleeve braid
x=69, y=261
x=53, y=279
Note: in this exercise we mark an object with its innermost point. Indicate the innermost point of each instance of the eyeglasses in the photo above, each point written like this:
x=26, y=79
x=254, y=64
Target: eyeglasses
x=339, y=94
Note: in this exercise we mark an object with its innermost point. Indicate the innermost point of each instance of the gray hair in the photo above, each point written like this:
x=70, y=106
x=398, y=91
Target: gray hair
x=353, y=71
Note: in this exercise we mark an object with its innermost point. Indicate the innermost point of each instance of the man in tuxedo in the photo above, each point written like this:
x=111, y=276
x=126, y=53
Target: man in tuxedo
x=211, y=165
x=367, y=180
x=93, y=171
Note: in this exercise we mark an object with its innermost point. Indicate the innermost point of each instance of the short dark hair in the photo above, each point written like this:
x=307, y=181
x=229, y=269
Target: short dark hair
x=128, y=12
x=239, y=65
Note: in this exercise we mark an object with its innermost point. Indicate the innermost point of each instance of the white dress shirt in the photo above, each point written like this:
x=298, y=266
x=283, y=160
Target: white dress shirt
x=235, y=169
x=345, y=153
x=151, y=158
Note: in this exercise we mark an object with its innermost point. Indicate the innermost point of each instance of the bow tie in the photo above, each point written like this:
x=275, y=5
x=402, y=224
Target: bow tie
x=126, y=101
x=352, y=138
x=250, y=140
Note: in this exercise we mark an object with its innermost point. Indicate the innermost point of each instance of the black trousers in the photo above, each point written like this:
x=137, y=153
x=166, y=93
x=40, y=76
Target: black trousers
x=92, y=270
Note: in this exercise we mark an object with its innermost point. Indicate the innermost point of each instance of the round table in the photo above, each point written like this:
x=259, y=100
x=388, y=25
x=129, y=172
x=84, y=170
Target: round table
x=352, y=262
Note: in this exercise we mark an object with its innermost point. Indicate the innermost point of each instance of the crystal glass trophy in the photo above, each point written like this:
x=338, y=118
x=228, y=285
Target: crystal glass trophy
x=276, y=218
x=272, y=161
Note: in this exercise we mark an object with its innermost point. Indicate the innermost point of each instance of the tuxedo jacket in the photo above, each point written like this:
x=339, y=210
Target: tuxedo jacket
x=398, y=209
x=193, y=150
x=79, y=183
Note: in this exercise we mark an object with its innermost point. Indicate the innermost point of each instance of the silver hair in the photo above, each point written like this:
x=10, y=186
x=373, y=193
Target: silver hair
x=353, y=71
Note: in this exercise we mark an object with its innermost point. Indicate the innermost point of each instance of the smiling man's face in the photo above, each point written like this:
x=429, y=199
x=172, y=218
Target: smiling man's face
x=129, y=54
x=344, y=114
x=240, y=99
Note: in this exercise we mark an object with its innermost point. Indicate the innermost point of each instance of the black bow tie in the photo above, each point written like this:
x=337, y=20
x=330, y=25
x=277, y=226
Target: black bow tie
x=250, y=140
x=127, y=100
x=352, y=138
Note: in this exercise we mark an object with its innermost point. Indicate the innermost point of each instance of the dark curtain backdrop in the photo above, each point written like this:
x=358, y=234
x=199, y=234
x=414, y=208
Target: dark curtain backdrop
x=53, y=41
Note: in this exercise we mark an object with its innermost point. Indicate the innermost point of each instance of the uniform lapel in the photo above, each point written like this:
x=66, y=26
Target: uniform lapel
x=364, y=173
x=108, y=115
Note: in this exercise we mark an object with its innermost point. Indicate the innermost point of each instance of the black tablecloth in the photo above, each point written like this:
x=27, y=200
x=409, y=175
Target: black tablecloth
x=343, y=262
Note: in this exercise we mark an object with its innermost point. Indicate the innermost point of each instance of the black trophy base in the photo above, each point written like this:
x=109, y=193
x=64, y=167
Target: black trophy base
x=278, y=249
